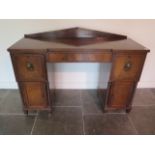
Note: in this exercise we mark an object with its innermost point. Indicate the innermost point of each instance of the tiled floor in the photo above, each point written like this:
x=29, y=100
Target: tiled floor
x=77, y=112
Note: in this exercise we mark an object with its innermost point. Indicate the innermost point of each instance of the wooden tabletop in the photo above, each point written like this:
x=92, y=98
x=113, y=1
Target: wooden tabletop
x=32, y=44
x=75, y=39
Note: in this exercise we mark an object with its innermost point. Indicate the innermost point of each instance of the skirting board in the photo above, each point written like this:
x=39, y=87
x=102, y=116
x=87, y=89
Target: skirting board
x=73, y=85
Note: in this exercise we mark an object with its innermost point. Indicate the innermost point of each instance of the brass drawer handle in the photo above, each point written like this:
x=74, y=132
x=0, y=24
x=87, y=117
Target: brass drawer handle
x=29, y=66
x=127, y=66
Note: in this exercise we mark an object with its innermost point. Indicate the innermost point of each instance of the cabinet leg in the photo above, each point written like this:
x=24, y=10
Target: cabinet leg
x=128, y=110
x=50, y=112
x=26, y=112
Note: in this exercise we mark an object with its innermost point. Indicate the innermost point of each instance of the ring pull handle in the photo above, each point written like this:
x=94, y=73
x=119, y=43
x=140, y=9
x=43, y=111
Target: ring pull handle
x=128, y=66
x=29, y=66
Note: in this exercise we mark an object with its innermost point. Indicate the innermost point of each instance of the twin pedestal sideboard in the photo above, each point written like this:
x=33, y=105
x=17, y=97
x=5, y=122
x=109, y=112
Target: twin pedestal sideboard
x=30, y=55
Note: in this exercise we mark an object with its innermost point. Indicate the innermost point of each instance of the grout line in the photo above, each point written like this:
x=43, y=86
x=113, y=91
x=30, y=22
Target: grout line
x=117, y=113
x=67, y=106
x=16, y=114
x=34, y=123
x=93, y=114
x=102, y=114
x=151, y=105
x=132, y=124
x=12, y=114
x=83, y=124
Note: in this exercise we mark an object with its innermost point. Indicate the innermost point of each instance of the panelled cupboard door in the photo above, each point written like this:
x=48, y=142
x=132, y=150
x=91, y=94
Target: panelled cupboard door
x=127, y=67
x=120, y=94
x=29, y=67
x=34, y=94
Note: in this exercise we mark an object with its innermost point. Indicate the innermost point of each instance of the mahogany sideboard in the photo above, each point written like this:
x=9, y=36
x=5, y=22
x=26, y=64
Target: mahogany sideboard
x=30, y=55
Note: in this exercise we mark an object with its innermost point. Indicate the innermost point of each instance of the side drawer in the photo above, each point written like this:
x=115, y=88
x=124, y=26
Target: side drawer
x=34, y=94
x=29, y=67
x=127, y=67
x=79, y=57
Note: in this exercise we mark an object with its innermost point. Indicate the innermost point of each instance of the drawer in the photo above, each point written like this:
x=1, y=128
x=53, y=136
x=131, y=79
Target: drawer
x=34, y=94
x=29, y=67
x=79, y=57
x=120, y=94
x=127, y=67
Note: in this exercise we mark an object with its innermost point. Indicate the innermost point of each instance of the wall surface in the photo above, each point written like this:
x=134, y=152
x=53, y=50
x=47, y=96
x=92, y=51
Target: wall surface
x=83, y=75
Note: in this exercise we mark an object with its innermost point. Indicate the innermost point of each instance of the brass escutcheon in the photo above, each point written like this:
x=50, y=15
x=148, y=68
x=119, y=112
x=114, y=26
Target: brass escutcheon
x=127, y=65
x=29, y=66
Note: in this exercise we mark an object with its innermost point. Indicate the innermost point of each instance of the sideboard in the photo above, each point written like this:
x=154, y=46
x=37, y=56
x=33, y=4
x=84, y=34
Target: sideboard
x=30, y=54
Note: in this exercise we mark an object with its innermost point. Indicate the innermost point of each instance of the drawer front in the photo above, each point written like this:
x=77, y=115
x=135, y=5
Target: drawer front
x=120, y=94
x=127, y=67
x=34, y=94
x=29, y=67
x=79, y=57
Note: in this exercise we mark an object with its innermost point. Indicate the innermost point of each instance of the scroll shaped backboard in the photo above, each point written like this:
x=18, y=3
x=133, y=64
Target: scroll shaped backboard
x=76, y=36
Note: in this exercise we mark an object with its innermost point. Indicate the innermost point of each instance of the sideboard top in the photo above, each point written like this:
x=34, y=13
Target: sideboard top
x=77, y=39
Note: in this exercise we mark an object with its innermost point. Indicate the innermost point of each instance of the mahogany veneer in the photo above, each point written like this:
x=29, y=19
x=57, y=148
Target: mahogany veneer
x=30, y=55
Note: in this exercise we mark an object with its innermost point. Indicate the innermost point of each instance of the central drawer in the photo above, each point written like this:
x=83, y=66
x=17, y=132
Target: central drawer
x=79, y=57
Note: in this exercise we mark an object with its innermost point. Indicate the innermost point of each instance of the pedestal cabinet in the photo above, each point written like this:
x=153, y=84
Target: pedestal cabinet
x=30, y=55
x=31, y=74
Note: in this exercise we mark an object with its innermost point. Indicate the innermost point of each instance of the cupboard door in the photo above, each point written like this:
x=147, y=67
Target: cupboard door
x=34, y=94
x=127, y=67
x=29, y=67
x=120, y=94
